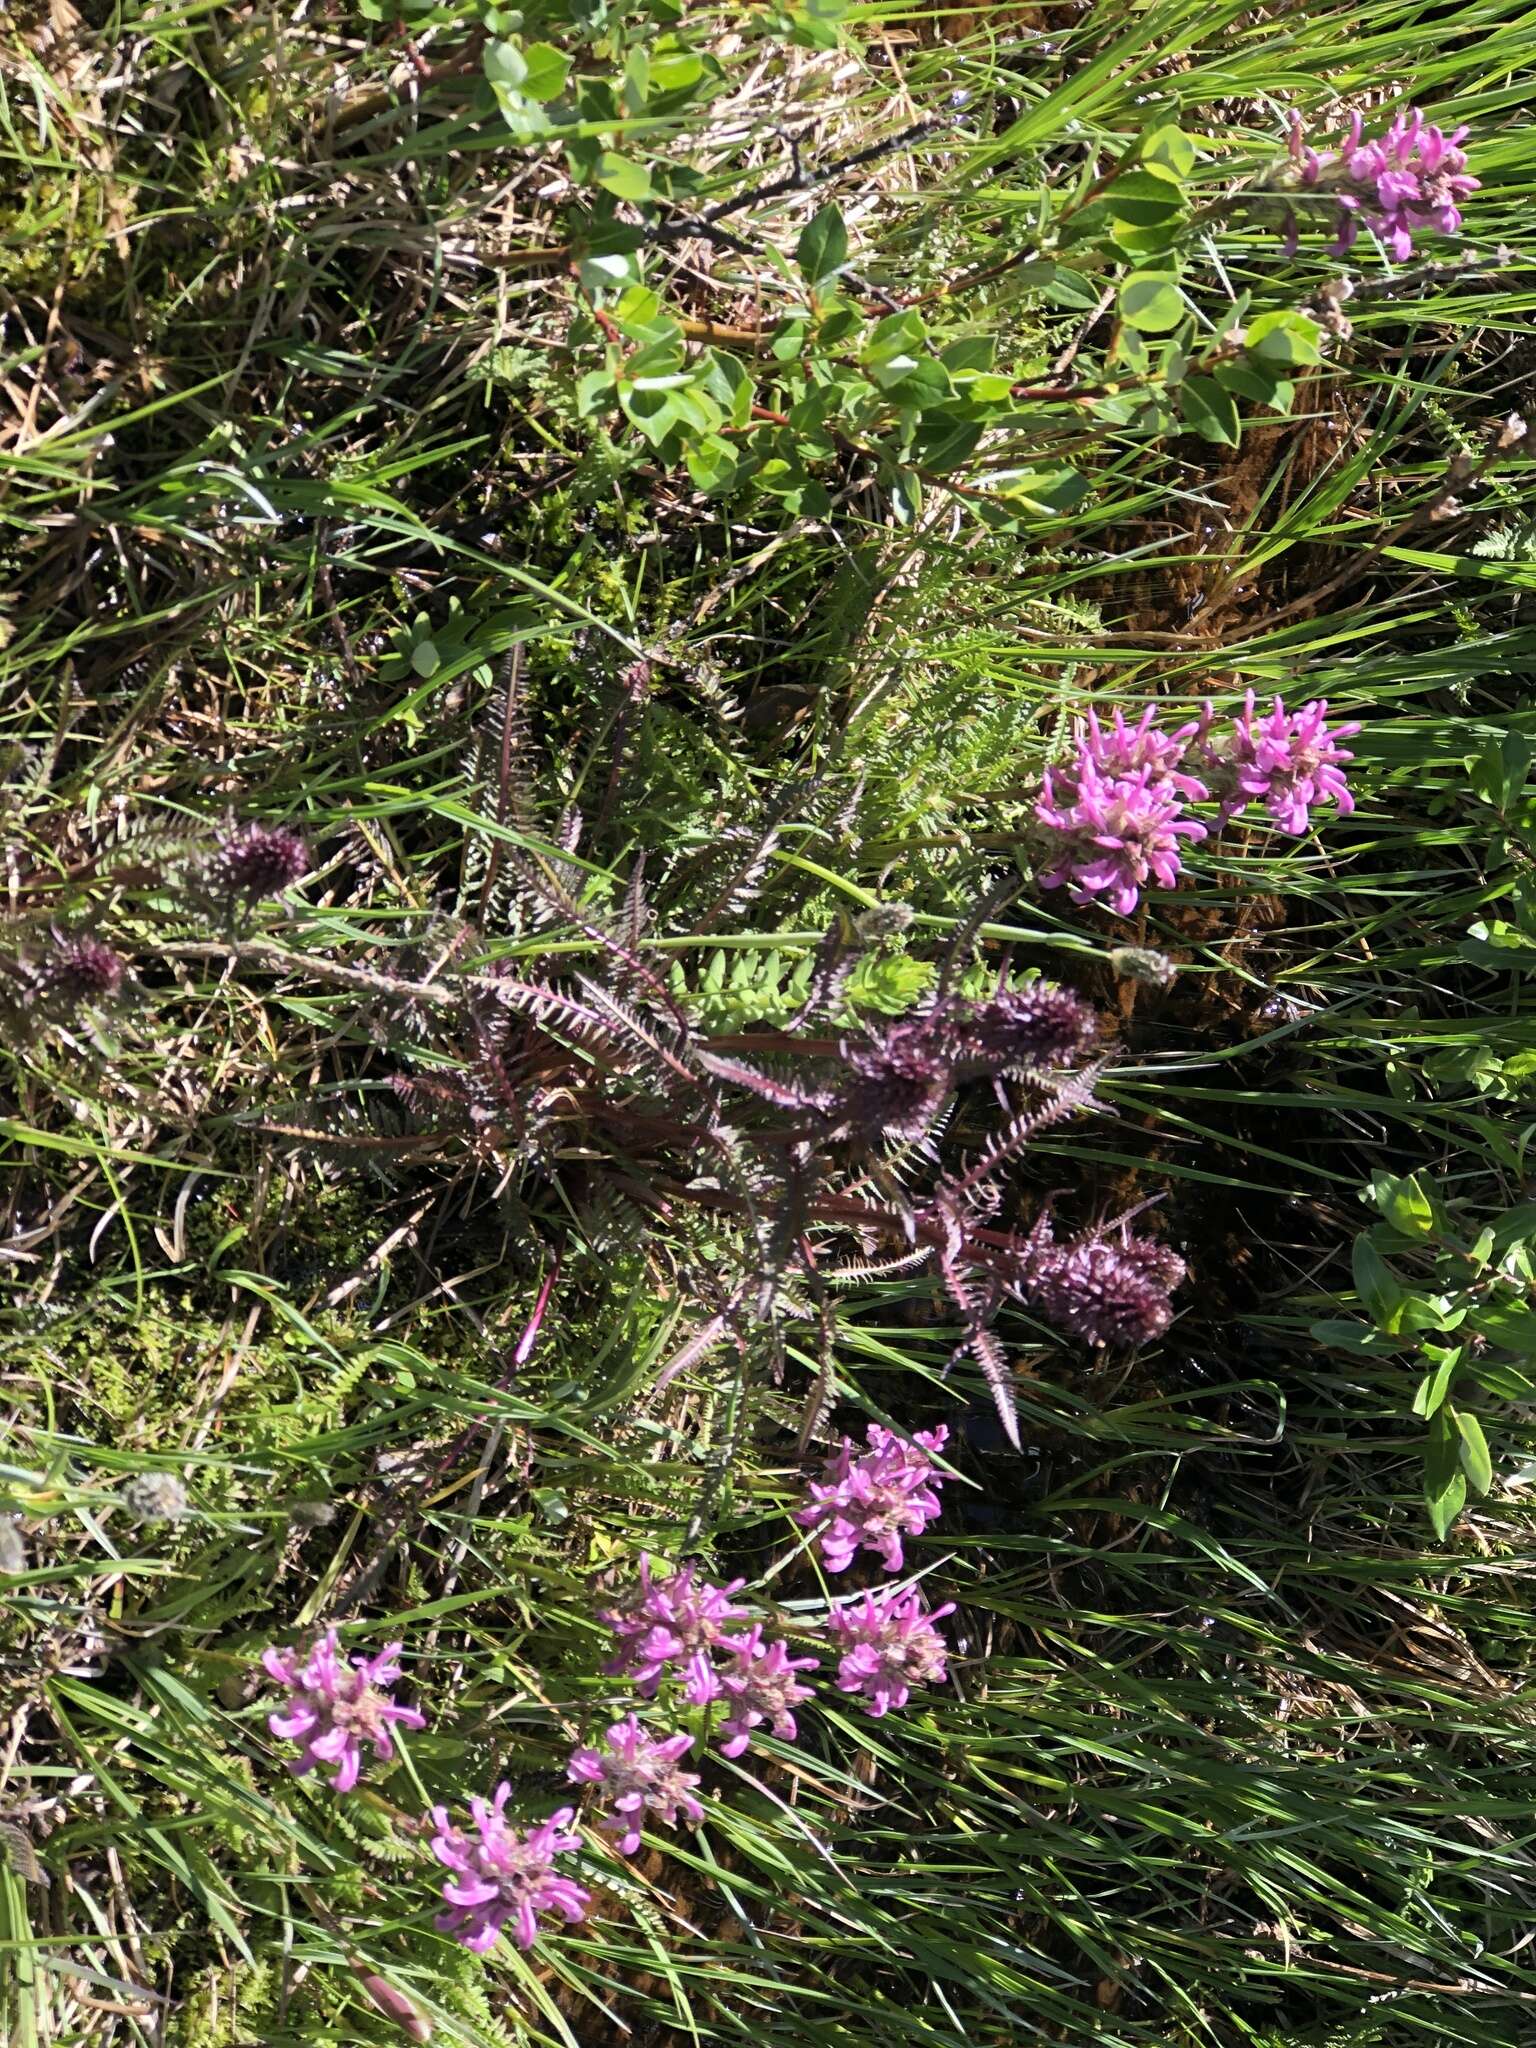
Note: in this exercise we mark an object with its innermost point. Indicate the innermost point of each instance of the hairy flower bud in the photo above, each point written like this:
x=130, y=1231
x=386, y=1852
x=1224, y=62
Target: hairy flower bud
x=897, y=1082
x=154, y=1497
x=1141, y=963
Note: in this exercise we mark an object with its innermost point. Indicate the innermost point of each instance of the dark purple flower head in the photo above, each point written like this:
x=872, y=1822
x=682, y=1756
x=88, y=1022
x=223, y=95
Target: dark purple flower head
x=1026, y=1028
x=336, y=1707
x=760, y=1684
x=897, y=1080
x=1103, y=1287
x=1413, y=176
x=503, y=1874
x=869, y=1500
x=667, y=1623
x=257, y=860
x=639, y=1775
x=887, y=1646
x=1289, y=762
x=78, y=969
x=1112, y=834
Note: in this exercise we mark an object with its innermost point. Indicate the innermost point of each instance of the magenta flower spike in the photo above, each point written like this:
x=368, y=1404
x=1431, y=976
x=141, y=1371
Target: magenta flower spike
x=1114, y=833
x=761, y=1686
x=335, y=1707
x=1411, y=177
x=1289, y=762
x=503, y=1874
x=887, y=1646
x=638, y=1773
x=1129, y=749
x=667, y=1623
x=869, y=1500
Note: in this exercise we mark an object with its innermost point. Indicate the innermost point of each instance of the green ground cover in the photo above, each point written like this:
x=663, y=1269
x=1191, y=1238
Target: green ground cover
x=641, y=493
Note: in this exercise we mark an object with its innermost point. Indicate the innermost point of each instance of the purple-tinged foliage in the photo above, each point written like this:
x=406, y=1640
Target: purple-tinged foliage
x=759, y=1683
x=887, y=1645
x=257, y=860
x=899, y=1079
x=503, y=1874
x=638, y=1775
x=869, y=1500
x=336, y=1707
x=668, y=1627
x=1411, y=177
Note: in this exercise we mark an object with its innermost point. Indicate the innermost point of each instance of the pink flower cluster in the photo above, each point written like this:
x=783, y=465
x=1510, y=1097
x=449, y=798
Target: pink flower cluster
x=335, y=1707
x=503, y=1876
x=1289, y=762
x=1113, y=815
x=1413, y=176
x=639, y=1774
x=672, y=1621
x=503, y=1873
x=761, y=1685
x=869, y=1500
x=675, y=1624
x=889, y=1645
x=1115, y=812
